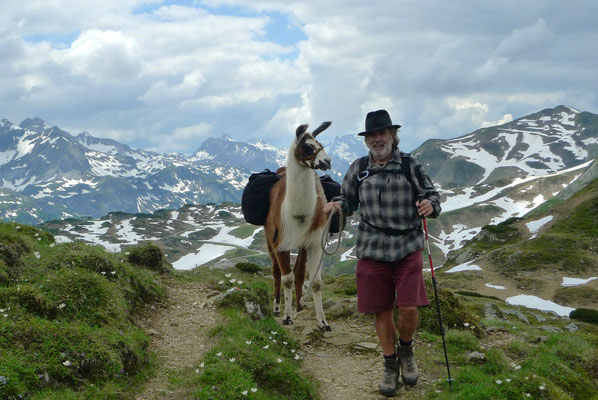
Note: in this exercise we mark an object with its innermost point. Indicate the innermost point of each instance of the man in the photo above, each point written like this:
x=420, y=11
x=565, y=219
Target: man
x=394, y=193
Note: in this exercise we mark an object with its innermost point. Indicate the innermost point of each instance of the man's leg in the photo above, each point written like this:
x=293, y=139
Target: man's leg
x=406, y=325
x=385, y=329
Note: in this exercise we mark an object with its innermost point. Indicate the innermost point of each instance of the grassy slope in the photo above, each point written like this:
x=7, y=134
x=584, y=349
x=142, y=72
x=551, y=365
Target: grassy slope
x=66, y=313
x=566, y=246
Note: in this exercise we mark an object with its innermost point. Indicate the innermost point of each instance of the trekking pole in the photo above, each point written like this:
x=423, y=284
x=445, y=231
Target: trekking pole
x=448, y=369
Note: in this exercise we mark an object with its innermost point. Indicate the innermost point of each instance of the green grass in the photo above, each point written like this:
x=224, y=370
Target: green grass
x=256, y=355
x=65, y=326
x=244, y=231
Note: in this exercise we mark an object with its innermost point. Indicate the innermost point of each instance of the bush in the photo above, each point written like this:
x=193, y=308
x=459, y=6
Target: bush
x=585, y=315
x=248, y=267
x=147, y=255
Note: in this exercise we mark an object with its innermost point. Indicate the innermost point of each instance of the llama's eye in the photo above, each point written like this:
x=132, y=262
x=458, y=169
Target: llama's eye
x=307, y=149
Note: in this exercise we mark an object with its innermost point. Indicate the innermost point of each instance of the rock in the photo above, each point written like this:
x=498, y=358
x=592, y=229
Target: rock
x=152, y=332
x=476, y=357
x=335, y=310
x=492, y=311
x=572, y=327
x=366, y=346
x=539, y=317
x=254, y=310
x=516, y=313
x=341, y=338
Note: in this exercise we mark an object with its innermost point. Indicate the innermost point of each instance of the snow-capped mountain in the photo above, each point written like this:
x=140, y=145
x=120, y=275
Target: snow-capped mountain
x=87, y=176
x=541, y=143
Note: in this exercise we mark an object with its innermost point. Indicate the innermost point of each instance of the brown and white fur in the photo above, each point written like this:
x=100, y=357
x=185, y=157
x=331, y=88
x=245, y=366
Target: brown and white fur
x=296, y=220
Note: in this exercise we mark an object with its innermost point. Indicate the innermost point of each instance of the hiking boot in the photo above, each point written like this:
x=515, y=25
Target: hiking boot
x=388, y=386
x=409, y=371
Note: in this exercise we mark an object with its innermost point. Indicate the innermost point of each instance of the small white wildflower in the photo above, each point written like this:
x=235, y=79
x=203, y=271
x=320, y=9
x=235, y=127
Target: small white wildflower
x=541, y=387
x=61, y=306
x=266, y=347
x=297, y=356
x=201, y=365
x=240, y=282
x=248, y=342
x=516, y=367
x=5, y=315
x=274, y=332
x=197, y=371
x=36, y=254
x=528, y=395
x=466, y=324
x=113, y=272
x=244, y=392
x=232, y=359
x=220, y=282
x=285, y=343
x=254, y=390
x=498, y=381
x=507, y=380
x=279, y=360
x=67, y=363
x=228, y=275
x=472, y=327
x=293, y=350
x=274, y=341
x=219, y=354
x=52, y=244
x=1, y=309
x=232, y=280
x=103, y=272
x=269, y=337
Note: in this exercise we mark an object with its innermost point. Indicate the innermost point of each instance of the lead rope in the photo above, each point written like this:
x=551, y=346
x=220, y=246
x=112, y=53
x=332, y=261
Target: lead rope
x=323, y=242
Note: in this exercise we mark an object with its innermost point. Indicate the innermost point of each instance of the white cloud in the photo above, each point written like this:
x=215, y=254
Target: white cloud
x=141, y=70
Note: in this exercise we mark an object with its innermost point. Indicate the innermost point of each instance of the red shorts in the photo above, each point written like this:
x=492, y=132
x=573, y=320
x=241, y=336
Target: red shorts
x=381, y=285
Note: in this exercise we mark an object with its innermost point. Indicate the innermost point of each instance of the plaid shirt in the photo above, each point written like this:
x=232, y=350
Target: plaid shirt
x=388, y=201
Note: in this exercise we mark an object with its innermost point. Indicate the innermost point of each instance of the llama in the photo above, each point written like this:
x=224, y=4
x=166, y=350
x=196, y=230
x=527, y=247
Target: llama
x=296, y=220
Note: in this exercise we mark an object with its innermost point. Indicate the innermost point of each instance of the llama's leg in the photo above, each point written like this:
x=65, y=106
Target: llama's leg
x=276, y=275
x=287, y=280
x=299, y=271
x=314, y=258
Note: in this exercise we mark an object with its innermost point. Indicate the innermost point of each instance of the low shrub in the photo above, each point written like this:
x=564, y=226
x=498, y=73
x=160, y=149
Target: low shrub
x=250, y=267
x=585, y=315
x=147, y=255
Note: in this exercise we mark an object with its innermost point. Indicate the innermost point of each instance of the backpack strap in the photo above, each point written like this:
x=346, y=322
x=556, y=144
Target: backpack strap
x=405, y=171
x=364, y=172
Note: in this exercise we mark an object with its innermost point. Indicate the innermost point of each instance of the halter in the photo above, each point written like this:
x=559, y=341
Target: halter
x=308, y=161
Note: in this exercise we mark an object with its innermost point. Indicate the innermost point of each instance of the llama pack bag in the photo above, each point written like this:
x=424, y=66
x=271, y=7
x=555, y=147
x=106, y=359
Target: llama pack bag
x=255, y=201
x=332, y=189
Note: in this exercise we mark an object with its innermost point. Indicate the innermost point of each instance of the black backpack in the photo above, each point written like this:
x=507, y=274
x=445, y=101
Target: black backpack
x=255, y=201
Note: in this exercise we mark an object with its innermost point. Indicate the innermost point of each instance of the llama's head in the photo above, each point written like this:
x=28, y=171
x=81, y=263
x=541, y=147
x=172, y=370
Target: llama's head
x=310, y=152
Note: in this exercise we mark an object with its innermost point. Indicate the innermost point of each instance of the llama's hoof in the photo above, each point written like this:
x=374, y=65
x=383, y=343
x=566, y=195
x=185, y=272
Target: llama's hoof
x=287, y=321
x=325, y=328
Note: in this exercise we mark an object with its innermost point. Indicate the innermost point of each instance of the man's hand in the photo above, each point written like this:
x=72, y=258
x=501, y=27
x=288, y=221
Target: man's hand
x=424, y=207
x=328, y=207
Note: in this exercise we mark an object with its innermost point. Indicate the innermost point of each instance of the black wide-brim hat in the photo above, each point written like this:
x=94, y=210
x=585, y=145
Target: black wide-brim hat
x=376, y=120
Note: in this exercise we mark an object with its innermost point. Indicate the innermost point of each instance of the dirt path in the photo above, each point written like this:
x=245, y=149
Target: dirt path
x=345, y=373
x=179, y=332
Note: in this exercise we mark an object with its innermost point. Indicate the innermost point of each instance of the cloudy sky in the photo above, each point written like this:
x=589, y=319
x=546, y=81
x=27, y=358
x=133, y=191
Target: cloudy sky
x=165, y=75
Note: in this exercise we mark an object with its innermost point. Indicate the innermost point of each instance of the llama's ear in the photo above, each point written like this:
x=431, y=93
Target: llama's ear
x=321, y=128
x=300, y=130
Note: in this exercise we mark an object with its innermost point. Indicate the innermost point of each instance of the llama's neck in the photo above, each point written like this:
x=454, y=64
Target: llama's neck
x=300, y=194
